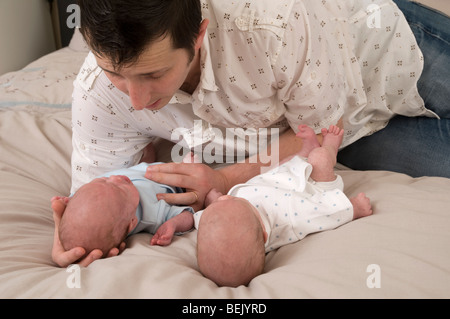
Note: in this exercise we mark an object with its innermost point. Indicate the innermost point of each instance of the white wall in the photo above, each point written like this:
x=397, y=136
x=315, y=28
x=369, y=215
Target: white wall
x=26, y=32
x=442, y=5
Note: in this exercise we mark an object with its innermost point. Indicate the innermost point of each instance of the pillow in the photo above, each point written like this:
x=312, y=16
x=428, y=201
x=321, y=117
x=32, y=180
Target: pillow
x=77, y=42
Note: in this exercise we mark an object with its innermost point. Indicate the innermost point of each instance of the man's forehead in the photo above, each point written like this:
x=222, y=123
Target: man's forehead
x=154, y=57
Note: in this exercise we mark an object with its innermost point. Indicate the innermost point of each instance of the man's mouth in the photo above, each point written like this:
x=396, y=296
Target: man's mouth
x=153, y=105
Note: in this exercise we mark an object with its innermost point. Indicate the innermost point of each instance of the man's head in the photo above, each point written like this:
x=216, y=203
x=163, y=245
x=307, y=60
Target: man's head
x=148, y=49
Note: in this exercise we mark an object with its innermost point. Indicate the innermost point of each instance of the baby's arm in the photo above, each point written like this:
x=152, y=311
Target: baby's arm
x=181, y=223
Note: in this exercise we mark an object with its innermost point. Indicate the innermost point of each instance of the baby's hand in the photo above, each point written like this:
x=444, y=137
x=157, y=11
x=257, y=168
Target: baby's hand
x=164, y=234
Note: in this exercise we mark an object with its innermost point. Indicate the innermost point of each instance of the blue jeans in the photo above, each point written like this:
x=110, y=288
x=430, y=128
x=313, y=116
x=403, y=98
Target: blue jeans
x=417, y=146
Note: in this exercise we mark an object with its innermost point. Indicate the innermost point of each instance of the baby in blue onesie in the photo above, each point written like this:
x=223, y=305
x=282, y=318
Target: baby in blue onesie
x=103, y=212
x=301, y=196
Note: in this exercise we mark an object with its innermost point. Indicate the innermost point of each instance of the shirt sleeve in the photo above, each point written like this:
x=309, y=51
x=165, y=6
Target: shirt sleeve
x=103, y=138
x=173, y=210
x=309, y=71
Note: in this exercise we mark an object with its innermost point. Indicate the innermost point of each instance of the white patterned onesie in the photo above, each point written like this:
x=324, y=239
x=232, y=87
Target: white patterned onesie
x=292, y=205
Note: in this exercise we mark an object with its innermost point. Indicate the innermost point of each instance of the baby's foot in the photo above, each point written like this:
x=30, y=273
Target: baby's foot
x=361, y=206
x=309, y=139
x=332, y=138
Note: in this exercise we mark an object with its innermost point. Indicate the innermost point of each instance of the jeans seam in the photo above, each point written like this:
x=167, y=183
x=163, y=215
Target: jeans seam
x=422, y=27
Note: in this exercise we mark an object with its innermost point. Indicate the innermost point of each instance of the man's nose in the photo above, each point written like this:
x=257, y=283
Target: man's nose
x=140, y=95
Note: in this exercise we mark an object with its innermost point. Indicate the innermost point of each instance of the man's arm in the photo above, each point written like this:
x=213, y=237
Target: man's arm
x=200, y=178
x=102, y=141
x=287, y=145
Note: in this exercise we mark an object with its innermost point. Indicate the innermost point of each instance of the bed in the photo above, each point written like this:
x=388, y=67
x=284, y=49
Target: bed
x=399, y=252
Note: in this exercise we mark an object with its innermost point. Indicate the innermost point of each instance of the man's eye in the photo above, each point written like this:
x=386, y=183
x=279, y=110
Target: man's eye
x=154, y=77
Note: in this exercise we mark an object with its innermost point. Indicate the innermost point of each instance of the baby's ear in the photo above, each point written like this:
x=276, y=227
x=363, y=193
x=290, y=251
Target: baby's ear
x=132, y=224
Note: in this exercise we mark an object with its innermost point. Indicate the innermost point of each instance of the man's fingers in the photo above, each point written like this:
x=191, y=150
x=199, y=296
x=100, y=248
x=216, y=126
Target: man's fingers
x=113, y=252
x=122, y=247
x=65, y=258
x=177, y=174
x=171, y=168
x=93, y=256
x=187, y=198
x=174, y=179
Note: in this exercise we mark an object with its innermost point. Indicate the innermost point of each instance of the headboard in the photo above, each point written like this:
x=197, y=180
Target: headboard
x=68, y=16
x=26, y=32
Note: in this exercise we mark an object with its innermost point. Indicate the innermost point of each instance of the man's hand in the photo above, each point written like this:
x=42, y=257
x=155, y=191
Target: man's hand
x=64, y=258
x=194, y=177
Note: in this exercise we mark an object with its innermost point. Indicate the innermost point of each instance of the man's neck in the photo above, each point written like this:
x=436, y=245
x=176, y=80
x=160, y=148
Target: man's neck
x=193, y=77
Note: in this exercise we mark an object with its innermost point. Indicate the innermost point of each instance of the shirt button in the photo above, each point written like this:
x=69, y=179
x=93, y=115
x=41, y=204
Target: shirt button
x=239, y=22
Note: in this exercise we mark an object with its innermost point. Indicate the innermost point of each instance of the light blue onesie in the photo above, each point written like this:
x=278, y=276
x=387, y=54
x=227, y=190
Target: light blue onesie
x=151, y=212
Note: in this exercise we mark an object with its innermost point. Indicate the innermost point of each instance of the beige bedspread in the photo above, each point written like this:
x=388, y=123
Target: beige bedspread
x=402, y=251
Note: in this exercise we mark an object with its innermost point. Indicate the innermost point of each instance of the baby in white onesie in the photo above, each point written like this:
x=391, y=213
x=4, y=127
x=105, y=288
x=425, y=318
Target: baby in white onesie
x=301, y=196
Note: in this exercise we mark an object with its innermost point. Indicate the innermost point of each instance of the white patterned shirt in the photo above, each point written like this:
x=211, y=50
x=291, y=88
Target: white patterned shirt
x=264, y=63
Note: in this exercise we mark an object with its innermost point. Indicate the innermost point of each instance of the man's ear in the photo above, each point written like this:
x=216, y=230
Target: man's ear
x=201, y=34
x=59, y=204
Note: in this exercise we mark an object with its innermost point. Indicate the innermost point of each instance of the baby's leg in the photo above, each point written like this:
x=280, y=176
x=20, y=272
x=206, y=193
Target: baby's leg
x=361, y=206
x=332, y=139
x=323, y=159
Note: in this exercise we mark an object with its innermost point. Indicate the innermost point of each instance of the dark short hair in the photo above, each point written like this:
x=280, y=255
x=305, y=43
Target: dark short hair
x=120, y=30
